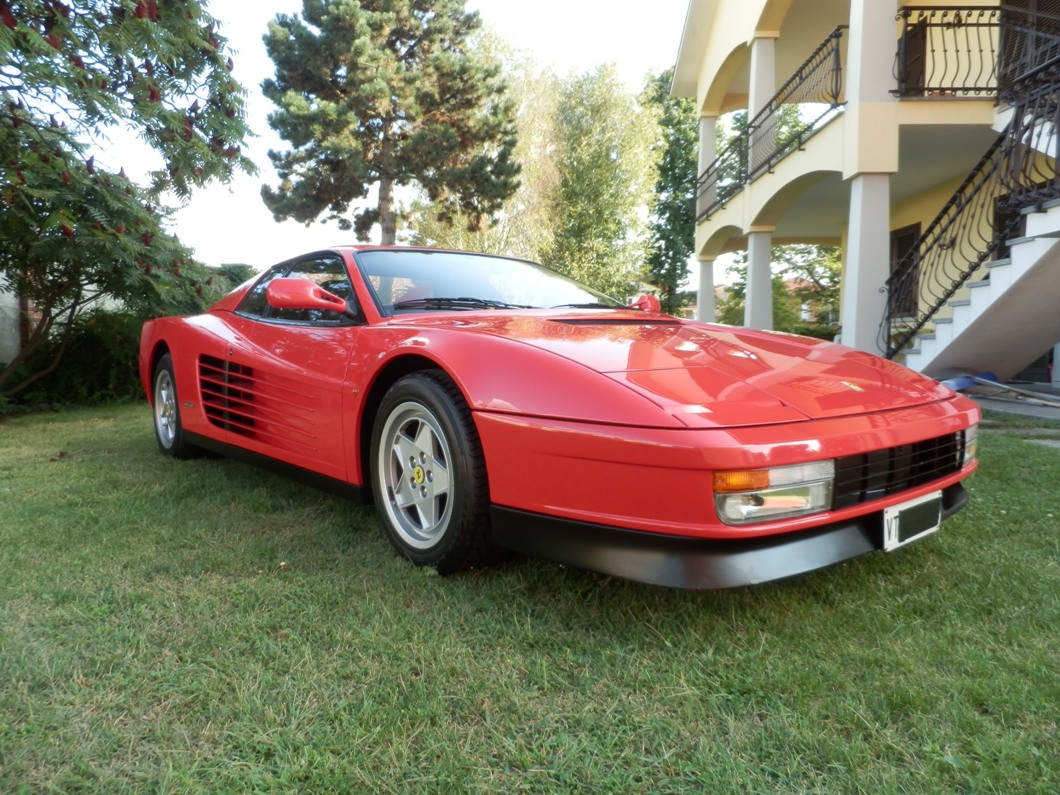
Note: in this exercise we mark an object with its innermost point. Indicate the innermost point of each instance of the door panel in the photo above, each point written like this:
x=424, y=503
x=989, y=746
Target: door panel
x=284, y=374
x=287, y=383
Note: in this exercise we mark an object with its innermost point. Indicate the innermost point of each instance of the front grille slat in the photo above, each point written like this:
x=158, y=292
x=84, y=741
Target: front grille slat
x=880, y=473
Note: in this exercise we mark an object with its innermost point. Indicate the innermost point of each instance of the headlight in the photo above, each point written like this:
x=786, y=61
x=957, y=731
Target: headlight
x=757, y=495
x=971, y=439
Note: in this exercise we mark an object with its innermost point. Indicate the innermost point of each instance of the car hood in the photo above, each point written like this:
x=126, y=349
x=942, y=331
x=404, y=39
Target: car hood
x=709, y=375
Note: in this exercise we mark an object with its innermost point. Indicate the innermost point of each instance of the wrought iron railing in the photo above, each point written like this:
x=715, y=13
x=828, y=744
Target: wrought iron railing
x=1029, y=53
x=947, y=51
x=809, y=99
x=1018, y=172
x=723, y=179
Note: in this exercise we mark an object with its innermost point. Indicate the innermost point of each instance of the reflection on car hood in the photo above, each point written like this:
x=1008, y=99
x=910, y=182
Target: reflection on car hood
x=723, y=375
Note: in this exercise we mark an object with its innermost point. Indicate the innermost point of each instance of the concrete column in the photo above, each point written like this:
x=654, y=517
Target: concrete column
x=763, y=86
x=871, y=156
x=870, y=59
x=708, y=141
x=1056, y=367
x=865, y=270
x=705, y=309
x=758, y=306
x=708, y=153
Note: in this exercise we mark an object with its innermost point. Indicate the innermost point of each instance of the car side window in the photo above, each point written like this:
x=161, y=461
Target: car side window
x=327, y=271
x=254, y=303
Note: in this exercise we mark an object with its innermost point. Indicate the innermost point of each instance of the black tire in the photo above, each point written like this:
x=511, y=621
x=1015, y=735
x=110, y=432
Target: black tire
x=169, y=431
x=429, y=475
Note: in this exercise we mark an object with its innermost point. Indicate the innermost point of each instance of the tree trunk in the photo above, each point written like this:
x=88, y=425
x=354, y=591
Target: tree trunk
x=387, y=216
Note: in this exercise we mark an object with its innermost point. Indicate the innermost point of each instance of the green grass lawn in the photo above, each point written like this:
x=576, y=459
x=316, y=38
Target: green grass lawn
x=195, y=626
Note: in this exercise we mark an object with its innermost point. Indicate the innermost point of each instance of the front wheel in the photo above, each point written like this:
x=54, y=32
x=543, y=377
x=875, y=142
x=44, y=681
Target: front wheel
x=429, y=474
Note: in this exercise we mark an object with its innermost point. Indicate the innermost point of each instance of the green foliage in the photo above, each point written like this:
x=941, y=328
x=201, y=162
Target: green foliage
x=99, y=363
x=74, y=235
x=102, y=244
x=386, y=93
x=526, y=225
x=587, y=151
x=813, y=273
x=158, y=67
x=673, y=228
x=606, y=162
x=804, y=276
x=93, y=358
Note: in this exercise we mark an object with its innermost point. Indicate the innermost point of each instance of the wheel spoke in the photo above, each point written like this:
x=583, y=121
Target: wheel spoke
x=404, y=495
x=416, y=475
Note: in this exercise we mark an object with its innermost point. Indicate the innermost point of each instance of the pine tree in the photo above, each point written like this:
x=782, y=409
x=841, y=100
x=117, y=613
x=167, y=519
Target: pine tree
x=386, y=93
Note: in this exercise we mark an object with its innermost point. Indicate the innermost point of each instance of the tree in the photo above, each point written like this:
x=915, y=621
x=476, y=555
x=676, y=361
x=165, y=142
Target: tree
x=160, y=67
x=605, y=161
x=74, y=234
x=672, y=224
x=386, y=93
x=813, y=274
x=525, y=227
x=805, y=290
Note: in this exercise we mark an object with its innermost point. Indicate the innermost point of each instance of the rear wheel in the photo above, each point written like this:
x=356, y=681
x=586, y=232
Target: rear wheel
x=168, y=429
x=429, y=474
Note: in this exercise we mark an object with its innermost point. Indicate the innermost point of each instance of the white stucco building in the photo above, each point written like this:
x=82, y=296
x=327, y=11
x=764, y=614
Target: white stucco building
x=917, y=138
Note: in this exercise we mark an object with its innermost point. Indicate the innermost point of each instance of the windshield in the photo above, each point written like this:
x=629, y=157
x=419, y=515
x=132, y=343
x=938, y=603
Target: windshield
x=418, y=281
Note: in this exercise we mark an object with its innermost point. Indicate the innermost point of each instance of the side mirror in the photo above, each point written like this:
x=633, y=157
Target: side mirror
x=304, y=294
x=647, y=303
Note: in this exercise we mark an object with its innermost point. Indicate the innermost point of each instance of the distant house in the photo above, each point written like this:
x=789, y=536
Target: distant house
x=920, y=139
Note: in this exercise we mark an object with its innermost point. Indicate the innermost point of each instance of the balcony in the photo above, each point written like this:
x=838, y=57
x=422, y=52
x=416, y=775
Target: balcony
x=942, y=53
x=947, y=51
x=809, y=99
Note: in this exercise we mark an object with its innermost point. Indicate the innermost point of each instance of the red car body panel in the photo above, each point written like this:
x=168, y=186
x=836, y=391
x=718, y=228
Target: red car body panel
x=602, y=474
x=608, y=417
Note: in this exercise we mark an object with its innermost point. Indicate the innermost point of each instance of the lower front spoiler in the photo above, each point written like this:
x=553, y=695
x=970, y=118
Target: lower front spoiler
x=694, y=563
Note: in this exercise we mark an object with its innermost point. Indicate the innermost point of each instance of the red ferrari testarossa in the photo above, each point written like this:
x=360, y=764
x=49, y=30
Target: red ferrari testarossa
x=486, y=402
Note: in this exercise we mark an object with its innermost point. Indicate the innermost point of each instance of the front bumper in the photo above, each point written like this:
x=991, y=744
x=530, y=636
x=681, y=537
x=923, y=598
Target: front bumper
x=694, y=563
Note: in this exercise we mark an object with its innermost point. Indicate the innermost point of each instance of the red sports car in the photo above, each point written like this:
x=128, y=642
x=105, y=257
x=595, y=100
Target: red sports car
x=484, y=402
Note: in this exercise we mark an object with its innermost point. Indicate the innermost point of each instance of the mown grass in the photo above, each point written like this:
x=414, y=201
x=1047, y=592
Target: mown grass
x=202, y=626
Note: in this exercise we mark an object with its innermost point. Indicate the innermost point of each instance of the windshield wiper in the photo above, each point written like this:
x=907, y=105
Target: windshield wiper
x=584, y=306
x=457, y=303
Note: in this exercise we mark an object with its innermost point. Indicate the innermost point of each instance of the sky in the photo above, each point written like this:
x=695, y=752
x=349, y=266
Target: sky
x=230, y=223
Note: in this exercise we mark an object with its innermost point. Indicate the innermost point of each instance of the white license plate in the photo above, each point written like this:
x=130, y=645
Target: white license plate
x=911, y=520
